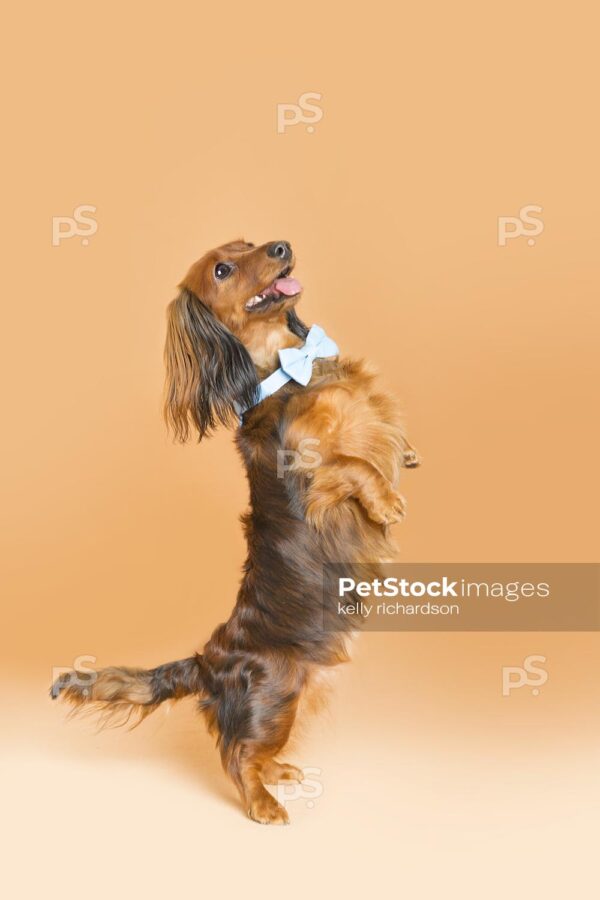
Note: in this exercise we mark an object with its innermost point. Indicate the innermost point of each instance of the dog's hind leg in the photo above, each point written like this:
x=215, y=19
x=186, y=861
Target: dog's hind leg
x=254, y=727
x=246, y=767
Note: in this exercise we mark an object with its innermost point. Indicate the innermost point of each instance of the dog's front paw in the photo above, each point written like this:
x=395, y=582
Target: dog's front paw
x=388, y=509
x=411, y=459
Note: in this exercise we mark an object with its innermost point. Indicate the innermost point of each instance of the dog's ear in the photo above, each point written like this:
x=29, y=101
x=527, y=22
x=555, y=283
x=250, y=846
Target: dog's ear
x=296, y=325
x=209, y=371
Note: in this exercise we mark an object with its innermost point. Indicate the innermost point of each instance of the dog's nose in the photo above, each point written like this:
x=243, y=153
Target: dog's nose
x=280, y=250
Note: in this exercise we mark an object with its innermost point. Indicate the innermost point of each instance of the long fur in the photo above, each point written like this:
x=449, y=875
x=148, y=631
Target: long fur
x=281, y=636
x=209, y=371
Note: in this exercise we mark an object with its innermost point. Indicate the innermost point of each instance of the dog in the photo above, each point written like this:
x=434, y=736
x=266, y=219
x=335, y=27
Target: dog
x=229, y=331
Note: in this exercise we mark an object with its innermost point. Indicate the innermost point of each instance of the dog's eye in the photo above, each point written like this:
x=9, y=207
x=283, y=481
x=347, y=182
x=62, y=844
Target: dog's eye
x=222, y=270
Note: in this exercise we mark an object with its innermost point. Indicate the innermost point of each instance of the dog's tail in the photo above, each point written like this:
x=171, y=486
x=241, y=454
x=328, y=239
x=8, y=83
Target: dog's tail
x=122, y=695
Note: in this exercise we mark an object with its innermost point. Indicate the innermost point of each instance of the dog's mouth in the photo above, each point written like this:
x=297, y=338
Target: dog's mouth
x=282, y=288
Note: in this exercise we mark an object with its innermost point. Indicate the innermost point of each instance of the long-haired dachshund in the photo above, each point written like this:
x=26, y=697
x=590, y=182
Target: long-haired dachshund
x=237, y=353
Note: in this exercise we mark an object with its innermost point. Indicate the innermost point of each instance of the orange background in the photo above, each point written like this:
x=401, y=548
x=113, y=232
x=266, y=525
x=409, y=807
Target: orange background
x=437, y=119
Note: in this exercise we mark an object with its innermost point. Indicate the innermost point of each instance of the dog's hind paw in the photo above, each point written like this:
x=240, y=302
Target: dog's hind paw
x=265, y=810
x=273, y=772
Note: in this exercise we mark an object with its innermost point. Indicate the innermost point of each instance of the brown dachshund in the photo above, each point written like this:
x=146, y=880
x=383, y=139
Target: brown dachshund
x=332, y=501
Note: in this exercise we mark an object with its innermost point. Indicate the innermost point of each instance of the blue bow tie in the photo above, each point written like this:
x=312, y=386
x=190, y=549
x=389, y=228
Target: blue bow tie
x=296, y=363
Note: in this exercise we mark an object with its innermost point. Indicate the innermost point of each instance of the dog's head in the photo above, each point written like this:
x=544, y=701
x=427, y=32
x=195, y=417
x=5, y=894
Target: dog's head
x=234, y=312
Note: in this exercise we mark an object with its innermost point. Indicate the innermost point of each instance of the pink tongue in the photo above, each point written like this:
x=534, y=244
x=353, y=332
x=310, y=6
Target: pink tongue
x=288, y=286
